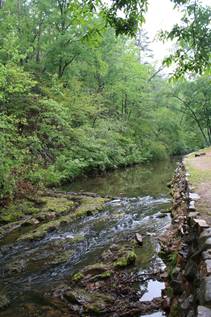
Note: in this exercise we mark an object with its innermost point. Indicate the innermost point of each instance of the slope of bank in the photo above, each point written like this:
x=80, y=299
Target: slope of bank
x=186, y=246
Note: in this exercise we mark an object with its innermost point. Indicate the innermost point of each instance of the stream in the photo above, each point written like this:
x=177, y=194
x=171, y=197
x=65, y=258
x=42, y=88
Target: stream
x=140, y=198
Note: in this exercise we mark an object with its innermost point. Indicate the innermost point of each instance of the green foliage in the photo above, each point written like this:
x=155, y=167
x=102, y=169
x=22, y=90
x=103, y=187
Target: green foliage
x=11, y=155
x=13, y=82
x=74, y=97
x=195, y=99
x=193, y=37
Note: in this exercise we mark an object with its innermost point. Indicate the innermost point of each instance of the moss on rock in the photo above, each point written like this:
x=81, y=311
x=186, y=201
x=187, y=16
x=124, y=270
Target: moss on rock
x=87, y=205
x=57, y=204
x=62, y=257
x=17, y=211
x=128, y=259
x=77, y=277
x=90, y=205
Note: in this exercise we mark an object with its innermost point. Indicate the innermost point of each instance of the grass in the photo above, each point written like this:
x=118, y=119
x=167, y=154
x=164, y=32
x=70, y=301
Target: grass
x=199, y=170
x=197, y=175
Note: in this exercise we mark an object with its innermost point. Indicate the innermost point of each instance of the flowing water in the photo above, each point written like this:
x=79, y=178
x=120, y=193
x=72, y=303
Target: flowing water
x=29, y=269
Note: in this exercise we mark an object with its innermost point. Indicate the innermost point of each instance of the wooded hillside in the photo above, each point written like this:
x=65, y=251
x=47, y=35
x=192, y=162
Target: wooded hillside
x=74, y=97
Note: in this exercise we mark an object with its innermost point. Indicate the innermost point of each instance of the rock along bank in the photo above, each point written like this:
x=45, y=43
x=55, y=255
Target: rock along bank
x=186, y=249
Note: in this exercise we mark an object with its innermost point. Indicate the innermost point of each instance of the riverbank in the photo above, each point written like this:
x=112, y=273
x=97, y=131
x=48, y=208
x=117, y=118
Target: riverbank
x=186, y=246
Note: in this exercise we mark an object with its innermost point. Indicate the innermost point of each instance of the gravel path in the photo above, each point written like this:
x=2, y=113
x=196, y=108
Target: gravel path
x=199, y=168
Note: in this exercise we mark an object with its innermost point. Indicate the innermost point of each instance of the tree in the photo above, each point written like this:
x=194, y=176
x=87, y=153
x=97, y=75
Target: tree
x=193, y=38
x=195, y=98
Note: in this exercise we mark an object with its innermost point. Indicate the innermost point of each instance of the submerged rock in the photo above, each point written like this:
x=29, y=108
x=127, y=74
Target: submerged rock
x=139, y=238
x=92, y=302
x=94, y=269
x=62, y=257
x=92, y=273
x=4, y=301
x=16, y=266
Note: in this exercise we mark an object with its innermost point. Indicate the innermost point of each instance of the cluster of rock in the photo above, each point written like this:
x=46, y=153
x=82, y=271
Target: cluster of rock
x=109, y=287
x=186, y=248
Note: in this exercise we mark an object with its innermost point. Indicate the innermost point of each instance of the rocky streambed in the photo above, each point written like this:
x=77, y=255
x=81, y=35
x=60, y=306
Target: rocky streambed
x=68, y=253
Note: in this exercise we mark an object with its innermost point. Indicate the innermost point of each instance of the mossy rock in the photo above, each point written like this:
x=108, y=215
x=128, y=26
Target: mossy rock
x=23, y=208
x=17, y=211
x=90, y=205
x=83, y=210
x=61, y=257
x=48, y=207
x=57, y=204
x=91, y=302
x=98, y=271
x=40, y=231
x=4, y=301
x=10, y=216
x=95, y=269
x=105, y=275
x=78, y=277
x=15, y=267
x=126, y=260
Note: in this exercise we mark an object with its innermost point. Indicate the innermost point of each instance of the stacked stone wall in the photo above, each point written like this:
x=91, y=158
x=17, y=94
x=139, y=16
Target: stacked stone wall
x=186, y=247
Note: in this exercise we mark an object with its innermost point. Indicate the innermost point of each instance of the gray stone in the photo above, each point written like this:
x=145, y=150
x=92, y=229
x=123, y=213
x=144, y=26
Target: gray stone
x=201, y=223
x=192, y=205
x=206, y=255
x=32, y=221
x=139, y=238
x=203, y=311
x=207, y=244
x=207, y=289
x=187, y=302
x=206, y=233
x=208, y=266
x=194, y=196
x=193, y=214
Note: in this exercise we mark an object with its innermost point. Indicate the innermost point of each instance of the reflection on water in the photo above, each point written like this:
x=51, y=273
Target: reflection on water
x=154, y=289
x=141, y=180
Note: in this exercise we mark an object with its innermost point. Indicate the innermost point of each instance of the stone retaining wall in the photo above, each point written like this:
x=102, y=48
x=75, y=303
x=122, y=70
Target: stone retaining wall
x=186, y=247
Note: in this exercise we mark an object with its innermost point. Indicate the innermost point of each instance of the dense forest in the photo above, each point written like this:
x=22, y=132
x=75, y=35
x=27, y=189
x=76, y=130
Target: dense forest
x=75, y=96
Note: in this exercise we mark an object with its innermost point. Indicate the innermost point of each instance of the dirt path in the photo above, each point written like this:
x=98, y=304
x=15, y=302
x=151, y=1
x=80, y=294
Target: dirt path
x=199, y=168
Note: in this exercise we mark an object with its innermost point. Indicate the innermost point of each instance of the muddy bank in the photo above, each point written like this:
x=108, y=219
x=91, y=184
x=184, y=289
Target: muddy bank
x=186, y=249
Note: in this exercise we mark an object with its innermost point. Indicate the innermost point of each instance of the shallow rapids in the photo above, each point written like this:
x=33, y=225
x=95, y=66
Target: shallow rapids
x=30, y=268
